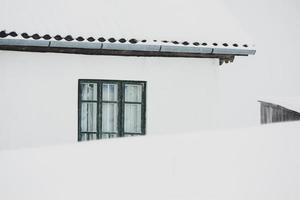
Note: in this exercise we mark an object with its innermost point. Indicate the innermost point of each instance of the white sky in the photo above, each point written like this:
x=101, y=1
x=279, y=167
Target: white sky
x=169, y=19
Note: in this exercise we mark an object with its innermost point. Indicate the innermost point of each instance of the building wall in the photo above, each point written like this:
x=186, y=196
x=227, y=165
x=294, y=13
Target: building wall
x=39, y=94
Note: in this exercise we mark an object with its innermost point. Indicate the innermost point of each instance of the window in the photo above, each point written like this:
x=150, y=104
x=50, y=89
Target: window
x=111, y=108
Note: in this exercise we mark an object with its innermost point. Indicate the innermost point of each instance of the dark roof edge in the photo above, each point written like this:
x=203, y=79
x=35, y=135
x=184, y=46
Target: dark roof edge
x=222, y=57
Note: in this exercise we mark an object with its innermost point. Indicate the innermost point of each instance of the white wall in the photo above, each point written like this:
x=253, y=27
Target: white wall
x=39, y=93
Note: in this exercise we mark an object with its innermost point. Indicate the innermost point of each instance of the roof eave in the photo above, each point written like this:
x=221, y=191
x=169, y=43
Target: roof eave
x=152, y=49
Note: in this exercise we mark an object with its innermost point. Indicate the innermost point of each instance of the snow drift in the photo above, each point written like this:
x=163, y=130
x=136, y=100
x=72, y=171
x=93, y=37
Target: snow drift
x=258, y=163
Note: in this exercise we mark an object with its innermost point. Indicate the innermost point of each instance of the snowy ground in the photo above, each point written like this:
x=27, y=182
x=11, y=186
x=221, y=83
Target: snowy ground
x=257, y=163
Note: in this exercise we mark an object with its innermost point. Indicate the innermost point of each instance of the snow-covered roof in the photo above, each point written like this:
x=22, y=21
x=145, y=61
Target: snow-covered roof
x=255, y=163
x=121, y=46
x=58, y=37
x=191, y=21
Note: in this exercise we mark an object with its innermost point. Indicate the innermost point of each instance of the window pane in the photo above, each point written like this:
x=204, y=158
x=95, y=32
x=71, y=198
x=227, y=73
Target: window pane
x=110, y=117
x=109, y=92
x=133, y=93
x=128, y=135
x=89, y=117
x=88, y=91
x=92, y=136
x=83, y=137
x=108, y=136
x=132, y=119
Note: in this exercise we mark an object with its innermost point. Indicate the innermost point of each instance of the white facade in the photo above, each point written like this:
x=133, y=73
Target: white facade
x=39, y=93
x=40, y=90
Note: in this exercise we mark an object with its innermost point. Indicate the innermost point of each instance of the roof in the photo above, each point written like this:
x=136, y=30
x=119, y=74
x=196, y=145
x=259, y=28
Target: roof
x=291, y=103
x=11, y=40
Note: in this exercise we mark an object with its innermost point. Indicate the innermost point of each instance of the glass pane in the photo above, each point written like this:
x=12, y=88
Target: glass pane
x=131, y=135
x=109, y=92
x=83, y=137
x=133, y=93
x=92, y=136
x=132, y=119
x=88, y=91
x=110, y=117
x=104, y=136
x=89, y=117
x=128, y=135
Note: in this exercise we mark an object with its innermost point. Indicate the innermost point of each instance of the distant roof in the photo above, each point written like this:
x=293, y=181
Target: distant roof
x=11, y=40
x=291, y=103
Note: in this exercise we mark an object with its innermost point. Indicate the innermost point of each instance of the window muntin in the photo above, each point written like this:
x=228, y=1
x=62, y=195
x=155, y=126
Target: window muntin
x=111, y=108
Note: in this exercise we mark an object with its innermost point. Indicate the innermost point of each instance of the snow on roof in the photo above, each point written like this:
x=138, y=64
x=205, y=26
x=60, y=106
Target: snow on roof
x=69, y=38
x=291, y=103
x=121, y=46
x=256, y=163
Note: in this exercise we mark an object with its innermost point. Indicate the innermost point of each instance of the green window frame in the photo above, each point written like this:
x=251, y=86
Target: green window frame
x=95, y=103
